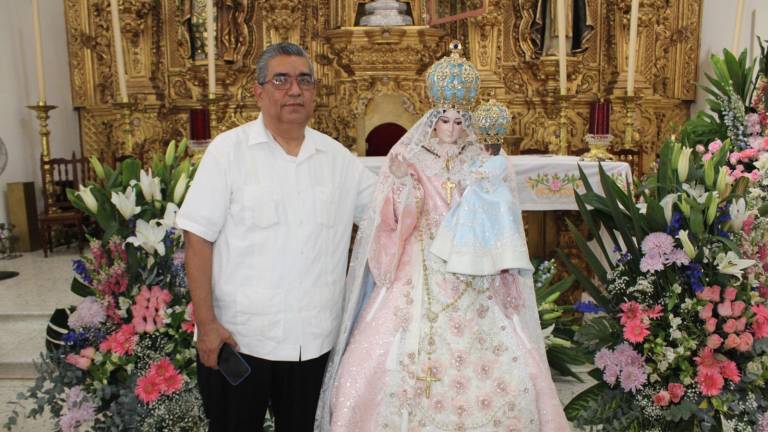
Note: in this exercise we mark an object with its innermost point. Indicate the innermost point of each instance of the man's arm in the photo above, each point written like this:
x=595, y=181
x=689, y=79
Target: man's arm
x=210, y=333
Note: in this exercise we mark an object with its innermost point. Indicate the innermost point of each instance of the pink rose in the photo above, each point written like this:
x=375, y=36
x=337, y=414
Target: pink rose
x=724, y=309
x=714, y=341
x=676, y=391
x=730, y=294
x=79, y=362
x=734, y=157
x=732, y=341
x=706, y=157
x=760, y=327
x=710, y=325
x=741, y=324
x=754, y=176
x=747, y=225
x=737, y=308
x=706, y=312
x=714, y=146
x=710, y=293
x=745, y=342
x=749, y=153
x=730, y=326
x=661, y=398
x=700, y=149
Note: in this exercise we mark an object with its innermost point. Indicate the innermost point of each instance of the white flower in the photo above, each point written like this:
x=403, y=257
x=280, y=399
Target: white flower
x=88, y=198
x=683, y=163
x=739, y=213
x=667, y=203
x=687, y=245
x=150, y=186
x=169, y=218
x=724, y=182
x=149, y=235
x=731, y=264
x=181, y=187
x=126, y=202
x=696, y=192
x=762, y=162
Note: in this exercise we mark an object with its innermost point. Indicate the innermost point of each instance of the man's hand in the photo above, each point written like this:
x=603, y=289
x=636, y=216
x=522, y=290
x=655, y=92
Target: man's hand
x=210, y=337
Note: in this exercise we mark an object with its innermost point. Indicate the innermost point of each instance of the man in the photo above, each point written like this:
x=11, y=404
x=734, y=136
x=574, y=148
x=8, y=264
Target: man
x=267, y=226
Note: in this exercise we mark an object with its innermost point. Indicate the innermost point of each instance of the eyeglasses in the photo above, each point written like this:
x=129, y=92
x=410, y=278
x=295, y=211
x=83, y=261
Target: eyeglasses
x=283, y=82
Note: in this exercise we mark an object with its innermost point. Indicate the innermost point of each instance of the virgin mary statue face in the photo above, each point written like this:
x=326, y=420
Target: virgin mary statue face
x=449, y=127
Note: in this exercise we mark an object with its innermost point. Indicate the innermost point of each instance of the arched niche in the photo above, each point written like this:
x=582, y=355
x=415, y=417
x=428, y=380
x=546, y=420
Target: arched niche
x=381, y=109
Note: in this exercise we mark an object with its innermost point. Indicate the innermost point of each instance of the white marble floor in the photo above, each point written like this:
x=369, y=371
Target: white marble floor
x=26, y=303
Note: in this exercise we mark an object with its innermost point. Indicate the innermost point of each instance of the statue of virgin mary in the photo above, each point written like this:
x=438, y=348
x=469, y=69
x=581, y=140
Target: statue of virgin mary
x=425, y=347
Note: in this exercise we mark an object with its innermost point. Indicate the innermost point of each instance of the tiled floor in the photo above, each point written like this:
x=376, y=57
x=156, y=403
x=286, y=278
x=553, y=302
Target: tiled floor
x=26, y=303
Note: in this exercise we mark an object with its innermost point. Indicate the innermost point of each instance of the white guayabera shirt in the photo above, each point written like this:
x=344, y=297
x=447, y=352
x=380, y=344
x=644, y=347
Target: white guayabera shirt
x=281, y=228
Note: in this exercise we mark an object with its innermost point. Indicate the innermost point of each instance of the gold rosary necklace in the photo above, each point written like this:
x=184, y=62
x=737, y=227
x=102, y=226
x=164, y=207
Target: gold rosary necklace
x=448, y=185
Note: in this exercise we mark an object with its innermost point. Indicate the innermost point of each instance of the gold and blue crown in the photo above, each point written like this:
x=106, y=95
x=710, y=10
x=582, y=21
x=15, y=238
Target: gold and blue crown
x=491, y=122
x=453, y=82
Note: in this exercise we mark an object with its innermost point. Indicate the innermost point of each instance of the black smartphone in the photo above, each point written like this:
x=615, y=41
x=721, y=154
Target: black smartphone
x=232, y=365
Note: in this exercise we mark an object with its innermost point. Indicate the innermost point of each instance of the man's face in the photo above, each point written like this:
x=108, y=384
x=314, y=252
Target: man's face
x=293, y=105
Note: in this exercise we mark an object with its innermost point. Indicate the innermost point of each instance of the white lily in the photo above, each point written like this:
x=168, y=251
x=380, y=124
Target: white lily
x=687, y=245
x=169, y=218
x=668, y=203
x=150, y=186
x=684, y=163
x=181, y=187
x=149, y=235
x=696, y=192
x=762, y=162
x=739, y=213
x=126, y=202
x=731, y=264
x=88, y=198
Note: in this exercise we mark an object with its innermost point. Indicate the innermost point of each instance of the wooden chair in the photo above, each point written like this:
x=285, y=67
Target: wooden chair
x=58, y=211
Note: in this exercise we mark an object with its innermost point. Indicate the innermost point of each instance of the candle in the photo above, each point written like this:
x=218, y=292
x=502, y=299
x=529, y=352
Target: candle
x=211, y=28
x=753, y=34
x=632, y=48
x=199, y=124
x=561, y=50
x=118, y=51
x=38, y=52
x=737, y=28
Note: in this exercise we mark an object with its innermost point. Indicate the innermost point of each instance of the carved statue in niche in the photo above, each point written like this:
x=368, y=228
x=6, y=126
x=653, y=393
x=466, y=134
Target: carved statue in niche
x=193, y=22
x=578, y=27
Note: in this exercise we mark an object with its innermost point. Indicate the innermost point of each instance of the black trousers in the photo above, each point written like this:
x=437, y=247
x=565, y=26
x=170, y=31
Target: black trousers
x=291, y=389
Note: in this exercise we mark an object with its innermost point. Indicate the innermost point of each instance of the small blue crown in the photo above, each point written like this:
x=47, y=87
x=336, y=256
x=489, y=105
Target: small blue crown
x=453, y=82
x=491, y=122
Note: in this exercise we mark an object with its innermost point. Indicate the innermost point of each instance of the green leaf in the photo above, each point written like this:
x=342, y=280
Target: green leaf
x=594, y=264
x=81, y=289
x=582, y=401
x=585, y=281
x=682, y=411
x=597, y=332
x=596, y=235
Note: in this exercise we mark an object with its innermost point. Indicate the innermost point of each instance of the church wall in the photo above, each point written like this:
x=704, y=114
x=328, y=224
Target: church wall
x=18, y=88
x=717, y=25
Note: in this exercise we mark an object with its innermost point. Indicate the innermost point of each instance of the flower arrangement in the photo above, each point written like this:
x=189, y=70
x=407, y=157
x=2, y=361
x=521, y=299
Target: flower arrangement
x=123, y=359
x=682, y=341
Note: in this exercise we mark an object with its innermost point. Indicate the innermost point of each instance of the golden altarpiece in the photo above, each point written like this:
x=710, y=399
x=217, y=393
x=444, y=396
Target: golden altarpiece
x=372, y=75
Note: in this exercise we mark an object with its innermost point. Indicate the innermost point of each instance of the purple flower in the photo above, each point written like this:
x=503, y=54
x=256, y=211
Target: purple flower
x=762, y=425
x=678, y=257
x=79, y=411
x=658, y=243
x=652, y=263
x=588, y=307
x=626, y=356
x=633, y=378
x=611, y=374
x=604, y=358
x=81, y=270
x=694, y=274
x=89, y=313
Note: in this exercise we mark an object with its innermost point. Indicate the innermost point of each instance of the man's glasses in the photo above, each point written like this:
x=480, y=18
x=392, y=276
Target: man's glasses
x=283, y=82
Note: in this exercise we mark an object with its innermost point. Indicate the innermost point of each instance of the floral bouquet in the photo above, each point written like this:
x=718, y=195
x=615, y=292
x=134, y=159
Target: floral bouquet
x=682, y=341
x=123, y=359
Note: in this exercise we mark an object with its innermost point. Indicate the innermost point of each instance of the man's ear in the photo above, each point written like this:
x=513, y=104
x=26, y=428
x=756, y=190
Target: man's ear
x=258, y=91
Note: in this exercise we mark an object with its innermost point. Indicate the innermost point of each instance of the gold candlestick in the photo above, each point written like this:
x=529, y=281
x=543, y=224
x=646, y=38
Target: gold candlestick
x=42, y=109
x=126, y=109
x=562, y=101
x=630, y=103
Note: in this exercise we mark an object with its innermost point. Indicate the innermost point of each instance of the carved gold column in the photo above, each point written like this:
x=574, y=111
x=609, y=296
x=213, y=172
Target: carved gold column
x=125, y=108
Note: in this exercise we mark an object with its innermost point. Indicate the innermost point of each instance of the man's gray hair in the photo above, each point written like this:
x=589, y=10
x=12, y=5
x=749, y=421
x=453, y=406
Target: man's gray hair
x=279, y=49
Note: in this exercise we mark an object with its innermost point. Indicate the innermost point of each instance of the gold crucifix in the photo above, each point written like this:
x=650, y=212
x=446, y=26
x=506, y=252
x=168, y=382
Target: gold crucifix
x=448, y=187
x=428, y=380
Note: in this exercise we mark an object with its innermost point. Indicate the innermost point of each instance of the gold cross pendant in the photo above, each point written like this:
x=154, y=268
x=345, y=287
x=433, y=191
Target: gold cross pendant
x=428, y=380
x=448, y=187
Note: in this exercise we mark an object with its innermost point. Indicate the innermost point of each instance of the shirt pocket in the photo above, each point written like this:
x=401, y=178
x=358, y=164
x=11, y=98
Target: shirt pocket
x=258, y=206
x=325, y=206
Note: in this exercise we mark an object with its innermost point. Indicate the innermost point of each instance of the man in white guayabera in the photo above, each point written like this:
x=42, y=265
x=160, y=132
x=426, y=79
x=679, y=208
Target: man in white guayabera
x=267, y=225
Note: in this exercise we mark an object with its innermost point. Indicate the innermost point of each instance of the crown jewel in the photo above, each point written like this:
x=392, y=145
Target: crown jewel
x=453, y=82
x=491, y=121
